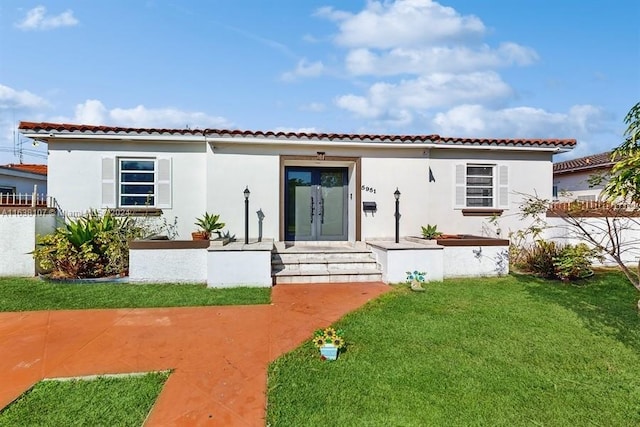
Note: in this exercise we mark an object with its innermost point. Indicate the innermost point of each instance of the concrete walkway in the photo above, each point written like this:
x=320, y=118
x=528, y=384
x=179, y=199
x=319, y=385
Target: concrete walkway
x=219, y=355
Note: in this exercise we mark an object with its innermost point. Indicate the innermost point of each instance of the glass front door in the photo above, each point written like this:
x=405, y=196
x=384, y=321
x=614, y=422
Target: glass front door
x=315, y=203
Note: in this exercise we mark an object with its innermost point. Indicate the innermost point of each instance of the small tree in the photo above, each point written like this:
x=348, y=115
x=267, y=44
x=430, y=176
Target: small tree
x=624, y=183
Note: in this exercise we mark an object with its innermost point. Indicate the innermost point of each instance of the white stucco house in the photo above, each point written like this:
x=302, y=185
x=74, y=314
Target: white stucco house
x=571, y=178
x=20, y=178
x=304, y=187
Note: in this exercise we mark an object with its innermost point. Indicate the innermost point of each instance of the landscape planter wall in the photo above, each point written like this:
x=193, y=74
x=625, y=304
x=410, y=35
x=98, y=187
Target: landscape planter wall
x=239, y=264
x=396, y=259
x=168, y=261
x=471, y=256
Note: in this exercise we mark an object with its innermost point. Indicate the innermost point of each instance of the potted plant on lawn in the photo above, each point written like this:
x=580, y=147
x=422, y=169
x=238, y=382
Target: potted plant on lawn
x=329, y=341
x=208, y=224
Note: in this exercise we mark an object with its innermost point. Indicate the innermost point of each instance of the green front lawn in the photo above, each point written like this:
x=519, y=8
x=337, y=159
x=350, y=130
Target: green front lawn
x=507, y=351
x=24, y=294
x=104, y=401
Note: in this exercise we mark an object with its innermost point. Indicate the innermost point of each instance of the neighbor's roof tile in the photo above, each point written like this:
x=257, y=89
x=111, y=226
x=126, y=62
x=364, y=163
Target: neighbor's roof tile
x=28, y=167
x=63, y=128
x=594, y=161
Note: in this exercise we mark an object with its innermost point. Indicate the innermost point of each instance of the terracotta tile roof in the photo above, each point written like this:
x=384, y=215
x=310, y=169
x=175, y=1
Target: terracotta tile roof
x=63, y=128
x=594, y=161
x=27, y=167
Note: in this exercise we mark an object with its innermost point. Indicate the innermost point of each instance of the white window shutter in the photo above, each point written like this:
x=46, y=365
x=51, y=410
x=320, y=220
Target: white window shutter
x=108, y=182
x=461, y=191
x=163, y=197
x=503, y=187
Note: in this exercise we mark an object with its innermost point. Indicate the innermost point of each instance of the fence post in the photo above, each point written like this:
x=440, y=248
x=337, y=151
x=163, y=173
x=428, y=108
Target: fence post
x=34, y=196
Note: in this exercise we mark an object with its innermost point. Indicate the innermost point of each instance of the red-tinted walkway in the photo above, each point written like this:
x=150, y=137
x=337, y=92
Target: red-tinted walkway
x=219, y=355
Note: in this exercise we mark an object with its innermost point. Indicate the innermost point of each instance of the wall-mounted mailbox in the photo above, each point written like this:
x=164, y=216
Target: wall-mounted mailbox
x=369, y=206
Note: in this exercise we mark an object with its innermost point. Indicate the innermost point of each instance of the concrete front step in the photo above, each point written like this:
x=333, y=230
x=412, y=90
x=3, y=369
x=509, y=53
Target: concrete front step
x=343, y=276
x=323, y=262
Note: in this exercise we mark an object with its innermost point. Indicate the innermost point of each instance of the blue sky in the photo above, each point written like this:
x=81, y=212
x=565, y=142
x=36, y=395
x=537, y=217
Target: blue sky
x=495, y=68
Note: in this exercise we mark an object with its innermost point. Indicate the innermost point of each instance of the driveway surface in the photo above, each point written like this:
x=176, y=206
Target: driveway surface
x=219, y=355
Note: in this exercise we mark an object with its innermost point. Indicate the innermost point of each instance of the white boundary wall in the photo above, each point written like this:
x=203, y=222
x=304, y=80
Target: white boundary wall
x=19, y=229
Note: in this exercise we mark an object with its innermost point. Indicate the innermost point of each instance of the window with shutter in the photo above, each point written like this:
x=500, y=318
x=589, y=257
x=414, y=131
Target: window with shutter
x=481, y=186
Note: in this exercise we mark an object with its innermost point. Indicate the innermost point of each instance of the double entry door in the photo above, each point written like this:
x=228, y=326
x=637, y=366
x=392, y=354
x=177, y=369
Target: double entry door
x=315, y=203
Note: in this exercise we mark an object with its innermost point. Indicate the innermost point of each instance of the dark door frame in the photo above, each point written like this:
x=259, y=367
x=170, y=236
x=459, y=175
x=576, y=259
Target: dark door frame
x=288, y=160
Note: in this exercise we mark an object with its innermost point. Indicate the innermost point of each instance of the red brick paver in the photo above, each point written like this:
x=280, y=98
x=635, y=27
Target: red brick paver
x=219, y=355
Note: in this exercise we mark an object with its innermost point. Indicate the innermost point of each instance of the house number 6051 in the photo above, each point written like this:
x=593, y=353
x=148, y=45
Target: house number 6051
x=369, y=189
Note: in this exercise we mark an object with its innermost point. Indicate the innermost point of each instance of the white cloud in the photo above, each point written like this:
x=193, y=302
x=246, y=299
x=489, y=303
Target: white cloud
x=426, y=92
x=304, y=68
x=434, y=59
x=402, y=23
x=13, y=99
x=520, y=122
x=93, y=112
x=36, y=19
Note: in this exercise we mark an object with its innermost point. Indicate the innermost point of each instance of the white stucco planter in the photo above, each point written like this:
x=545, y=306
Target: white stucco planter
x=238, y=264
x=396, y=259
x=168, y=261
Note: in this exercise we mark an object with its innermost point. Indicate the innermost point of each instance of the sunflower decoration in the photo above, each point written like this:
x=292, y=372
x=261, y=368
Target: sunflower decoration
x=328, y=336
x=319, y=341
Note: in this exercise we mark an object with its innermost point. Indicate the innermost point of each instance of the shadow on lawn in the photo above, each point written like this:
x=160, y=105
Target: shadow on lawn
x=606, y=303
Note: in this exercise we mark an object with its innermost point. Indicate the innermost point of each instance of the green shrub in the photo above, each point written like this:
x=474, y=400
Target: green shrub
x=95, y=245
x=430, y=231
x=538, y=259
x=574, y=262
x=555, y=261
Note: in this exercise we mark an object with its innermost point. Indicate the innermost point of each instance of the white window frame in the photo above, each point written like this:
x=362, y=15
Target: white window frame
x=500, y=185
x=494, y=186
x=119, y=194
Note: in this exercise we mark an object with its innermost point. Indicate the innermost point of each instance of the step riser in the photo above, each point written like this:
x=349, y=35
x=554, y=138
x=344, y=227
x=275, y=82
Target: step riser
x=324, y=267
x=316, y=257
x=347, y=278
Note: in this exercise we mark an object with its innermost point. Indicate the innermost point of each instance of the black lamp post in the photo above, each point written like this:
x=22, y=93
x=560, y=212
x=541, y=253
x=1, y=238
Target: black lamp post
x=396, y=194
x=246, y=215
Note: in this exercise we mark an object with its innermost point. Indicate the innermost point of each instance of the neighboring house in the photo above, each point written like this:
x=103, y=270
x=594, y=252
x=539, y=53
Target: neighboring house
x=21, y=178
x=571, y=178
x=303, y=186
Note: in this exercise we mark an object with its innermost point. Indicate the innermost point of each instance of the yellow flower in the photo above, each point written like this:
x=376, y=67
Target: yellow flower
x=329, y=332
x=338, y=342
x=319, y=341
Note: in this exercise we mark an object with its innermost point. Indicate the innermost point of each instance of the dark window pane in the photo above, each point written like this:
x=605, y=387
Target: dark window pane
x=477, y=192
x=136, y=201
x=478, y=202
x=487, y=182
x=136, y=177
x=136, y=165
x=480, y=170
x=136, y=189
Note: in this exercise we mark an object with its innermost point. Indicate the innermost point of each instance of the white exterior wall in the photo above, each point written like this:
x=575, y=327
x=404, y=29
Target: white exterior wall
x=410, y=176
x=529, y=173
x=212, y=177
x=23, y=182
x=576, y=185
x=18, y=234
x=228, y=174
x=75, y=176
x=629, y=237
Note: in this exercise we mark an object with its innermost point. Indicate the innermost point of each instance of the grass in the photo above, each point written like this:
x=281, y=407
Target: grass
x=26, y=294
x=502, y=352
x=105, y=401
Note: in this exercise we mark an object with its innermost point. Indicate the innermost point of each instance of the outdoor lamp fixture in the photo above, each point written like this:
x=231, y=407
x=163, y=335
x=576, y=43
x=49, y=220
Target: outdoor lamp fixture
x=246, y=215
x=396, y=194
